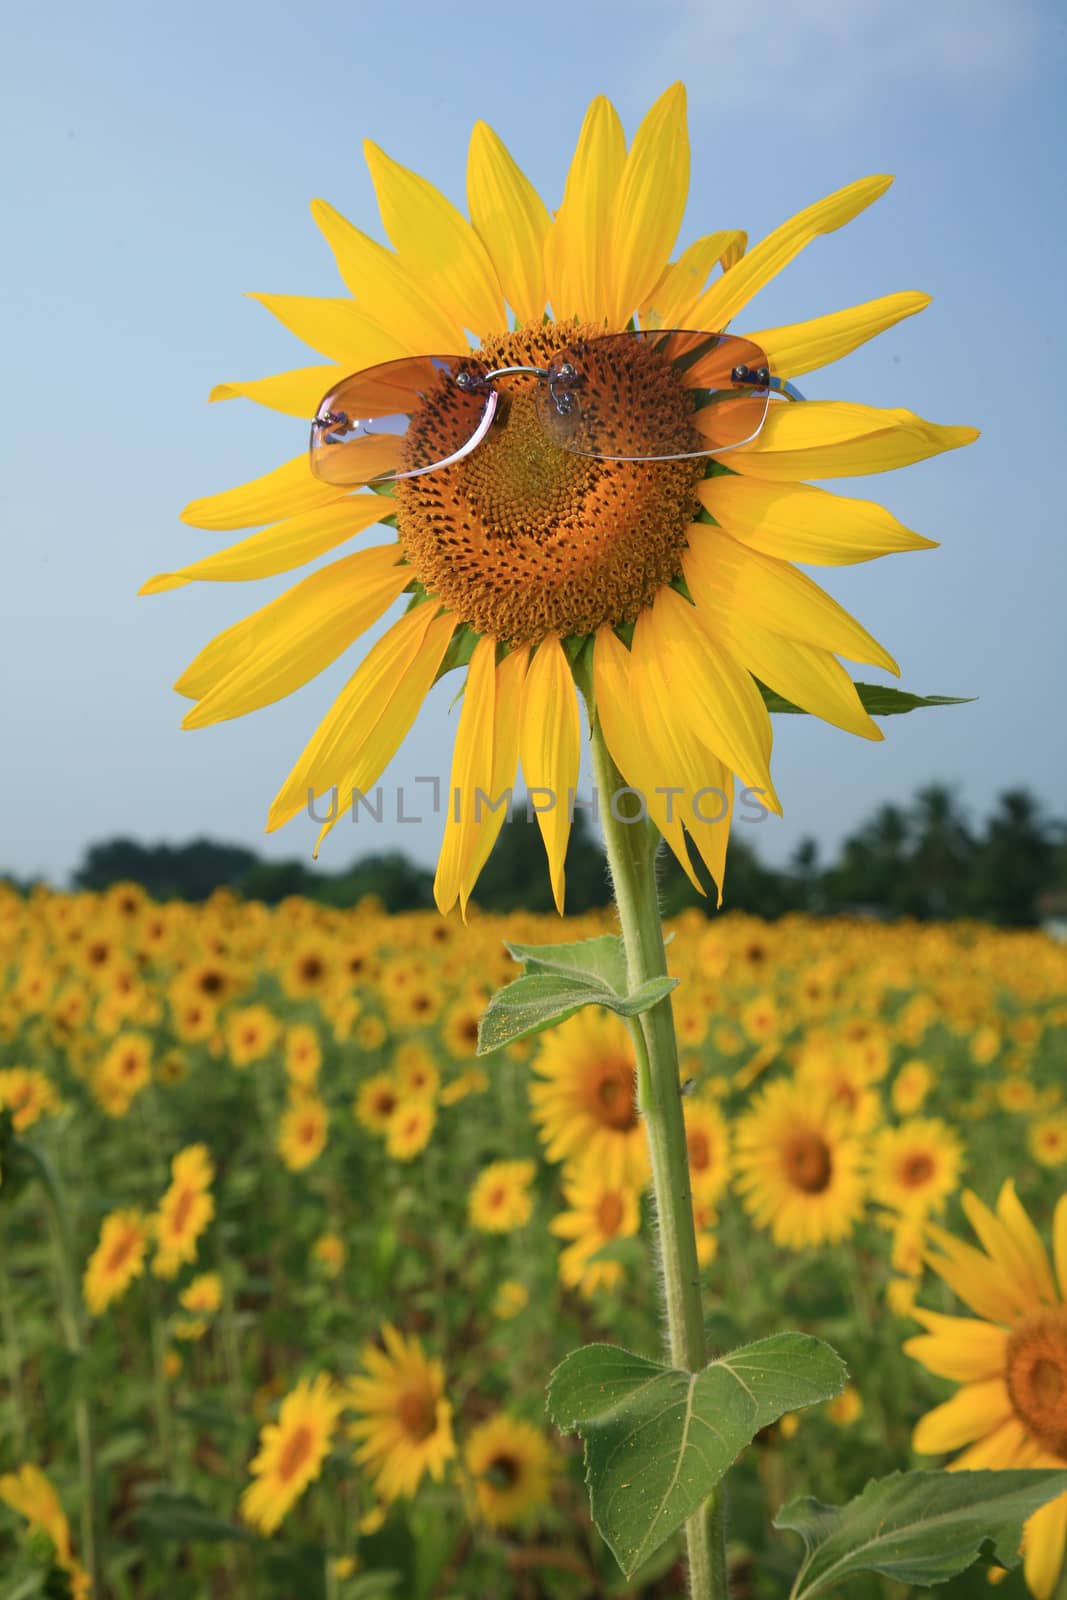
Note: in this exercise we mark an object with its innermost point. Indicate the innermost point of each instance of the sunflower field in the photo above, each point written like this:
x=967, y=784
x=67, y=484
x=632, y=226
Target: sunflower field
x=285, y=1265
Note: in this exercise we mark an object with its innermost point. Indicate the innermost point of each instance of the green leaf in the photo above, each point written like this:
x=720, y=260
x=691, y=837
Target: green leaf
x=916, y=1527
x=877, y=699
x=602, y=959
x=186, y=1520
x=541, y=999
x=657, y=1440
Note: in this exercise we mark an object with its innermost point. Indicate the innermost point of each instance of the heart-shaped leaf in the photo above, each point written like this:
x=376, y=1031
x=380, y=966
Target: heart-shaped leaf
x=917, y=1527
x=601, y=960
x=658, y=1440
x=542, y=999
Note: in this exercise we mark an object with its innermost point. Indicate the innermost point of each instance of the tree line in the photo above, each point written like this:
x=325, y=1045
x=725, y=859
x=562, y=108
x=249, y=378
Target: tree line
x=923, y=860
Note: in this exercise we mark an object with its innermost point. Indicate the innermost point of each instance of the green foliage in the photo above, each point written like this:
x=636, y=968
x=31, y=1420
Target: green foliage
x=916, y=1527
x=658, y=1440
x=559, y=980
x=879, y=700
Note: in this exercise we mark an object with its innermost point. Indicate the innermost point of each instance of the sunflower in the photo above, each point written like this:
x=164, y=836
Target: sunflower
x=916, y=1166
x=250, y=1033
x=798, y=1166
x=521, y=558
x=117, y=1259
x=184, y=1211
x=910, y=1087
x=302, y=1133
x=125, y=1070
x=303, y=1054
x=410, y=1128
x=510, y=1463
x=291, y=1452
x=708, y=1140
x=376, y=1101
x=416, y=1071
x=403, y=1421
x=330, y=1251
x=1047, y=1139
x=27, y=1094
x=500, y=1199
x=1010, y=1360
x=599, y=1210
x=511, y=1297
x=587, y=1105
x=203, y=1294
x=29, y=1492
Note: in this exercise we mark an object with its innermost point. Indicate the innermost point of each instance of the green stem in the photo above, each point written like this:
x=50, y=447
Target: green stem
x=161, y=1395
x=631, y=849
x=14, y=1360
x=70, y=1317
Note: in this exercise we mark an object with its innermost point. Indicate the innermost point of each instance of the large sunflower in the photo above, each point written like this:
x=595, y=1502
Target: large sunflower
x=1010, y=1361
x=668, y=586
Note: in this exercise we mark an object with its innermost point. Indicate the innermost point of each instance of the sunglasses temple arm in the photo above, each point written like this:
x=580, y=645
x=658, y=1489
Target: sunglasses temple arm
x=790, y=390
x=472, y=443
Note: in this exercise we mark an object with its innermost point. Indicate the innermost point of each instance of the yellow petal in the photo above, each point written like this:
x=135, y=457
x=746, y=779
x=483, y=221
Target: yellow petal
x=798, y=522
x=1000, y=1450
x=961, y=1348
x=281, y=546
x=978, y=1281
x=802, y=346
x=710, y=692
x=1044, y=1538
x=295, y=394
x=1059, y=1242
x=336, y=328
x=550, y=748
x=975, y=1411
x=511, y=220
x=727, y=578
x=297, y=635
x=370, y=718
x=671, y=302
x=649, y=205
x=471, y=771
x=1026, y=1243
x=437, y=244
x=811, y=678
x=765, y=260
x=287, y=490
x=630, y=743
x=577, y=267
x=510, y=675
x=836, y=439
x=393, y=295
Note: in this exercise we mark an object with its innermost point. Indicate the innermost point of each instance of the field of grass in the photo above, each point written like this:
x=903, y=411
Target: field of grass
x=285, y=1266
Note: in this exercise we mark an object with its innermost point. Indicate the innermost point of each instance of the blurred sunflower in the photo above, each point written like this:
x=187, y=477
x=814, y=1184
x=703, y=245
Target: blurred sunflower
x=184, y=1211
x=599, y=1210
x=910, y=1087
x=302, y=1132
x=250, y=1033
x=29, y=1492
x=799, y=1166
x=500, y=1199
x=117, y=1259
x=27, y=1094
x=378, y=1098
x=203, y=1293
x=410, y=1128
x=520, y=556
x=916, y=1166
x=1046, y=1138
x=403, y=1418
x=303, y=1053
x=291, y=1452
x=587, y=1104
x=708, y=1141
x=1010, y=1360
x=510, y=1463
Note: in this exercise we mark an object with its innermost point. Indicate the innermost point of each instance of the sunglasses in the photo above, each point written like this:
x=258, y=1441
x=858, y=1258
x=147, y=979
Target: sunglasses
x=647, y=395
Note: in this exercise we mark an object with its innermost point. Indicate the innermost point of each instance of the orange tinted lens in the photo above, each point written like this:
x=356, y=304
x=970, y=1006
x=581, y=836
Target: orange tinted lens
x=655, y=394
x=397, y=419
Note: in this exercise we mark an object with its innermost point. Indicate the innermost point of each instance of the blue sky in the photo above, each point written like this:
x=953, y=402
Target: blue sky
x=161, y=164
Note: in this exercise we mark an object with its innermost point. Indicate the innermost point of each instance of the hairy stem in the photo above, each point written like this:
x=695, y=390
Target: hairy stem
x=631, y=848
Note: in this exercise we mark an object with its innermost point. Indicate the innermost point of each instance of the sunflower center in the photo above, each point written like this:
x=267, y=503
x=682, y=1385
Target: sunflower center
x=1036, y=1375
x=417, y=1414
x=610, y=1095
x=609, y=1214
x=503, y=1471
x=121, y=1250
x=699, y=1151
x=808, y=1164
x=296, y=1451
x=522, y=538
x=916, y=1170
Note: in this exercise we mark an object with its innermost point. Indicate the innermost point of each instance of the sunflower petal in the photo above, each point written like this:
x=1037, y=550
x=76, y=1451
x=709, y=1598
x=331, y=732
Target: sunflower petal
x=1026, y=1243
x=629, y=742
x=550, y=748
x=370, y=718
x=649, y=204
x=1044, y=1539
x=436, y=244
x=279, y=547
x=837, y=439
x=798, y=522
x=509, y=678
x=284, y=492
x=297, y=635
x=727, y=578
x=511, y=220
x=295, y=394
x=670, y=303
x=976, y=1410
x=337, y=328
x=1059, y=1242
x=765, y=260
x=1004, y=1448
x=979, y=1282
x=577, y=247
x=802, y=346
x=710, y=692
x=410, y=313
x=961, y=1348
